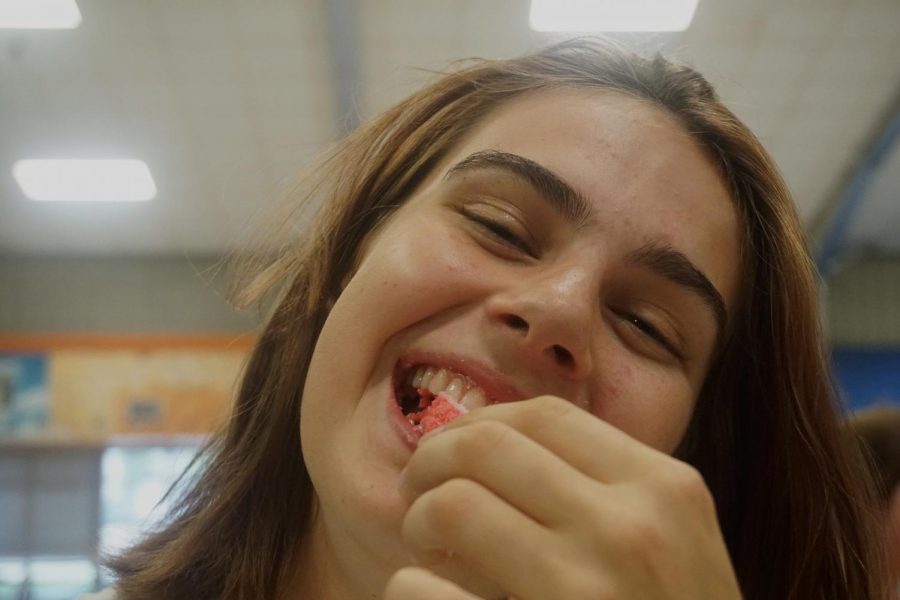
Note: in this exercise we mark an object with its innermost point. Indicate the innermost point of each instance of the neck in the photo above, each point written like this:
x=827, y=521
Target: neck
x=329, y=569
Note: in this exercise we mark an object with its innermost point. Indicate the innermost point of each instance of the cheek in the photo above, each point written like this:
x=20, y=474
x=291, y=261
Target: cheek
x=652, y=407
x=412, y=271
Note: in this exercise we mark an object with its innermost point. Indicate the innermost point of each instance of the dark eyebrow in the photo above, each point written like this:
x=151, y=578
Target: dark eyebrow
x=560, y=195
x=677, y=268
x=572, y=206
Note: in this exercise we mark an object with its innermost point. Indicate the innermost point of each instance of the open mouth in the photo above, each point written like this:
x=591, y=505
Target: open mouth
x=430, y=397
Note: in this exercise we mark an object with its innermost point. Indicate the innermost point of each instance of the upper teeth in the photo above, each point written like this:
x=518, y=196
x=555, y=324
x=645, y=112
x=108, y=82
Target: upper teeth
x=458, y=387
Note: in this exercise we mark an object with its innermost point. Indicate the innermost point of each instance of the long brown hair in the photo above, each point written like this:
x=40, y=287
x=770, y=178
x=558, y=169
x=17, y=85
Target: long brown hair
x=793, y=502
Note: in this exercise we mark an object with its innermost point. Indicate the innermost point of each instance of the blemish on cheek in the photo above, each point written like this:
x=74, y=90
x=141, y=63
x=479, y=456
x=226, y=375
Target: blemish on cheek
x=619, y=379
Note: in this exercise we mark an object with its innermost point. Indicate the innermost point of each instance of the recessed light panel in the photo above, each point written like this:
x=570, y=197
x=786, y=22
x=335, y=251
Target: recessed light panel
x=611, y=15
x=85, y=180
x=39, y=14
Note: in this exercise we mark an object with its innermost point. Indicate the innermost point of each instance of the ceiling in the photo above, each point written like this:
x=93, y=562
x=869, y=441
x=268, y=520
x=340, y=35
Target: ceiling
x=226, y=99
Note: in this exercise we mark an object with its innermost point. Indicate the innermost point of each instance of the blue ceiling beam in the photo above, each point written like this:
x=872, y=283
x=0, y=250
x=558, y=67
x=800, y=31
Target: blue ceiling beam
x=854, y=194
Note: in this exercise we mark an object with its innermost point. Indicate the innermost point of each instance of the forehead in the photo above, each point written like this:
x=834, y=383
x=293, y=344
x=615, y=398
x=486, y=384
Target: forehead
x=594, y=139
x=645, y=177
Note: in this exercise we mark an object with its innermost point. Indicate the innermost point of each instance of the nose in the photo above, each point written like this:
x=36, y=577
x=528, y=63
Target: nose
x=551, y=317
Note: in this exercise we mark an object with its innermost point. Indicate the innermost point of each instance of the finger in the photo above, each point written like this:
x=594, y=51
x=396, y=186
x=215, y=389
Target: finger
x=487, y=535
x=589, y=444
x=414, y=583
x=505, y=461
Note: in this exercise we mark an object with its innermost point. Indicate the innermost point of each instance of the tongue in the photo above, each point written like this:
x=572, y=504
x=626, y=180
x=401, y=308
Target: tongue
x=441, y=411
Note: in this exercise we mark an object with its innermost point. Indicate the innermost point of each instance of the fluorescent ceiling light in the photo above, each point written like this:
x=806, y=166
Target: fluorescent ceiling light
x=85, y=180
x=39, y=14
x=611, y=15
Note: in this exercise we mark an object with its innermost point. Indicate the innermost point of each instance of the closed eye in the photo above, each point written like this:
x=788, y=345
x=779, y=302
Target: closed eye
x=647, y=329
x=500, y=232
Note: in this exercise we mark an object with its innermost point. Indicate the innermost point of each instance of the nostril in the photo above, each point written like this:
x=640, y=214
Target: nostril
x=563, y=356
x=516, y=322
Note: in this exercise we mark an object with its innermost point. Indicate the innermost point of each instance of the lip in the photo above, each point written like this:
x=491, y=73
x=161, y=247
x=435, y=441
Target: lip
x=496, y=385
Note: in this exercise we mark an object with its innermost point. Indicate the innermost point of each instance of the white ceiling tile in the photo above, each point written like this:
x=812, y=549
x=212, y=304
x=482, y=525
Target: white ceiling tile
x=281, y=20
x=727, y=22
x=870, y=19
x=781, y=64
x=290, y=98
x=854, y=63
x=801, y=23
x=203, y=21
x=225, y=98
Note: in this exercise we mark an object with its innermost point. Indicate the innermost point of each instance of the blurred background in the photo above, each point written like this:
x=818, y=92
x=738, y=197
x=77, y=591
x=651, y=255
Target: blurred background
x=118, y=351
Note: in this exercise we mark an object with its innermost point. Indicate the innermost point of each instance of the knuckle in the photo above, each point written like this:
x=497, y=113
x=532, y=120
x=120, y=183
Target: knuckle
x=538, y=411
x=479, y=439
x=552, y=406
x=641, y=534
x=449, y=504
x=641, y=541
x=684, y=482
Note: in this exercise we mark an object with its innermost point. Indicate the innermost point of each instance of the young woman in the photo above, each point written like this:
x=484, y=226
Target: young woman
x=592, y=256
x=877, y=428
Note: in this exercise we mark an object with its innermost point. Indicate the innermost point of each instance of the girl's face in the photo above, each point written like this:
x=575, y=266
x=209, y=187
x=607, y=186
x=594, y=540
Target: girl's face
x=576, y=243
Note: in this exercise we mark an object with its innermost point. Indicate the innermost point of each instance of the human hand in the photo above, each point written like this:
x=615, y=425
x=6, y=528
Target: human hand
x=539, y=499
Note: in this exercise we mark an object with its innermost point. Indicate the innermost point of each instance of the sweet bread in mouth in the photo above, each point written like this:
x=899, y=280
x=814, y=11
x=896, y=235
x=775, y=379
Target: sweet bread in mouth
x=435, y=412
